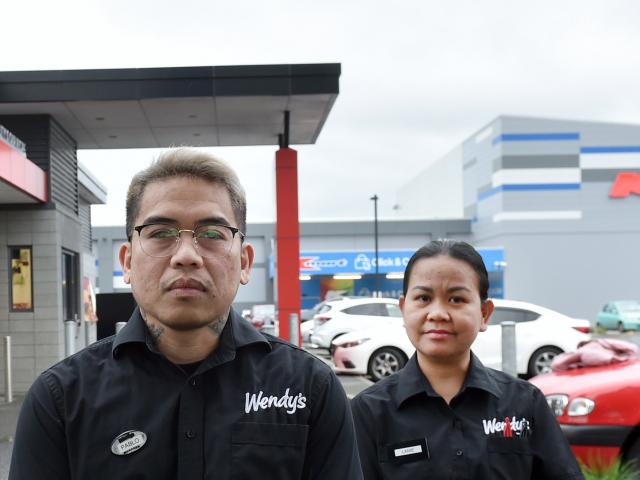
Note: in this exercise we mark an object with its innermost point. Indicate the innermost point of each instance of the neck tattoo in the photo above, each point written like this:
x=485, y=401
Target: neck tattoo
x=218, y=325
x=156, y=331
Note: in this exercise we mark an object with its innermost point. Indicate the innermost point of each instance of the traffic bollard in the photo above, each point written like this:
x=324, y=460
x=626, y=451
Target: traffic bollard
x=69, y=337
x=8, y=384
x=294, y=329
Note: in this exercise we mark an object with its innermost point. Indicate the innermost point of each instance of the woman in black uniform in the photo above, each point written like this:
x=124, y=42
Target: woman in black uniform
x=445, y=415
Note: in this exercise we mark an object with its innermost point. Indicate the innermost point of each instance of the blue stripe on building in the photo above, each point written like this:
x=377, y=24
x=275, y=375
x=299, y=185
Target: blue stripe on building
x=519, y=187
x=611, y=149
x=536, y=137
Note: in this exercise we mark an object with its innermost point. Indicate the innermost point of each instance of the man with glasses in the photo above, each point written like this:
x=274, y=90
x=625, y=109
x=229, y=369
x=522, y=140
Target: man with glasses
x=187, y=389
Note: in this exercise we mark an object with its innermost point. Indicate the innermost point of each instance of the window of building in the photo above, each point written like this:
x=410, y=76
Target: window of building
x=70, y=286
x=21, y=279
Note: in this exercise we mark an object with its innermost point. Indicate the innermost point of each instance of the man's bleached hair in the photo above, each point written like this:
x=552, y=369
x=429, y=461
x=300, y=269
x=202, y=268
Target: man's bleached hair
x=191, y=163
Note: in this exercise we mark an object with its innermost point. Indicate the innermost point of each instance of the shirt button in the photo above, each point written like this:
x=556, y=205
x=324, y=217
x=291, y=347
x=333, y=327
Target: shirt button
x=190, y=434
x=193, y=382
x=459, y=453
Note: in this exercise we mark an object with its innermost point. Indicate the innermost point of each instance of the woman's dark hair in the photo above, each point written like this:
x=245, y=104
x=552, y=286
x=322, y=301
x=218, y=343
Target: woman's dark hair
x=454, y=249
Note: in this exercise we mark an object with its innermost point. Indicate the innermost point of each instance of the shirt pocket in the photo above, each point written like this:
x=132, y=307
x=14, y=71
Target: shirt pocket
x=273, y=449
x=400, y=467
x=510, y=458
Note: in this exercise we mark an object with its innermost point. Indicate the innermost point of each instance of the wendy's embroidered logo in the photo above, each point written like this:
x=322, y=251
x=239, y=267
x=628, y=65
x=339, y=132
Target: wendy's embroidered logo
x=260, y=401
x=508, y=427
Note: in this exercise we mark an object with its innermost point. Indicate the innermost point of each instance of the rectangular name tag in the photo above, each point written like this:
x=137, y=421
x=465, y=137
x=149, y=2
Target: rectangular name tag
x=408, y=451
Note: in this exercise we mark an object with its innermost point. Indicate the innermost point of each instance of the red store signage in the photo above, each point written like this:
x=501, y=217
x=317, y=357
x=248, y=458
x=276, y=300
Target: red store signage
x=625, y=184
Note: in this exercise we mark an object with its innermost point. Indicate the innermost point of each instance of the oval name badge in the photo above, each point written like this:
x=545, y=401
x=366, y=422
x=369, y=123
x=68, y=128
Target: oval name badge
x=128, y=442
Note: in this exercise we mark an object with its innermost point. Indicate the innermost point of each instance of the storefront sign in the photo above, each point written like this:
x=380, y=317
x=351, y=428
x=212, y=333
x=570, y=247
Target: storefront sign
x=364, y=262
x=12, y=140
x=353, y=262
x=625, y=184
x=88, y=301
x=21, y=279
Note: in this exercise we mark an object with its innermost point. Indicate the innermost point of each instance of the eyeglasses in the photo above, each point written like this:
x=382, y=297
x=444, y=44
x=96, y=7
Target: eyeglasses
x=162, y=240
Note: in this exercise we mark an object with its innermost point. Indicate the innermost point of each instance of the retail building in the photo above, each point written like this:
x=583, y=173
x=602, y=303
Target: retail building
x=562, y=199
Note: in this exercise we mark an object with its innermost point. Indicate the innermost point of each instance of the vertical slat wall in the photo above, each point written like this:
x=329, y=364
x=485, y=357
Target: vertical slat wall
x=64, y=168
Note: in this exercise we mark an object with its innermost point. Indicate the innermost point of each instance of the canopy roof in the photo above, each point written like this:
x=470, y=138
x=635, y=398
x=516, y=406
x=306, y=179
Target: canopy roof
x=164, y=107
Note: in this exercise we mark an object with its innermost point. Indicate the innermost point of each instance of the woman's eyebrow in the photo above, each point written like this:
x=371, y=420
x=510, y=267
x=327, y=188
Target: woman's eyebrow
x=449, y=290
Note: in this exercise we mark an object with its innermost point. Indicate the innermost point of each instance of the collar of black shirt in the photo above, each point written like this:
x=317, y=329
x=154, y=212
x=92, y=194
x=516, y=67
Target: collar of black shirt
x=412, y=382
x=237, y=333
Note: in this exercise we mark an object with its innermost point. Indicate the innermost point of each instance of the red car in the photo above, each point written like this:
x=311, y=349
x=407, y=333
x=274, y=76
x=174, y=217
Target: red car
x=598, y=409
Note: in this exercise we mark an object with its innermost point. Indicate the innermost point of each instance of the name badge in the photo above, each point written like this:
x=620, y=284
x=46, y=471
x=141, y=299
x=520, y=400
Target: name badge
x=408, y=451
x=128, y=442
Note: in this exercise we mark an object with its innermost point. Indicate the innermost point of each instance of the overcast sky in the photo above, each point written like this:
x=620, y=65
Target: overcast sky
x=418, y=77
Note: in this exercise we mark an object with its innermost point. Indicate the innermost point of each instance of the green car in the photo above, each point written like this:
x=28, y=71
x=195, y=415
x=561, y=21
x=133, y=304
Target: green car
x=622, y=315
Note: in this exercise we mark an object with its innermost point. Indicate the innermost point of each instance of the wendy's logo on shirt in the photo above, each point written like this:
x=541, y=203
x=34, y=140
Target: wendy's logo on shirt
x=260, y=401
x=508, y=427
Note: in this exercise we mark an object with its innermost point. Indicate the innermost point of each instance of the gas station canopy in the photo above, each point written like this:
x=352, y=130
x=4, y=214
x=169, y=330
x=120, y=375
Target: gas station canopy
x=164, y=107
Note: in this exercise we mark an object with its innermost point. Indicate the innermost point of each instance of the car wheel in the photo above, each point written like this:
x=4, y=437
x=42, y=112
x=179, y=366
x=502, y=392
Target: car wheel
x=621, y=327
x=540, y=361
x=384, y=362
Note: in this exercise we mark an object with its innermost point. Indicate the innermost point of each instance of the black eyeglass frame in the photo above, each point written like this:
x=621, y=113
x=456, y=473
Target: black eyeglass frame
x=234, y=231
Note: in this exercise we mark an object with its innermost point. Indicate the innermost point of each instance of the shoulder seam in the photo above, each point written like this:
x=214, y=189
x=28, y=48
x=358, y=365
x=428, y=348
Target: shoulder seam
x=93, y=346
x=279, y=341
x=55, y=393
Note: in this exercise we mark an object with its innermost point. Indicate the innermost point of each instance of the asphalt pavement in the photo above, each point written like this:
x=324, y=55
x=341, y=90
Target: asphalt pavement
x=8, y=418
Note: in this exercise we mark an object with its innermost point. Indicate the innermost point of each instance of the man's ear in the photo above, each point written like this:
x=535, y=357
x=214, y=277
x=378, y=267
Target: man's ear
x=487, y=309
x=246, y=261
x=125, y=261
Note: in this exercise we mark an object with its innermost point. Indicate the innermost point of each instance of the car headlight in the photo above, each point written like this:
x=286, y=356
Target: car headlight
x=557, y=403
x=353, y=343
x=580, y=406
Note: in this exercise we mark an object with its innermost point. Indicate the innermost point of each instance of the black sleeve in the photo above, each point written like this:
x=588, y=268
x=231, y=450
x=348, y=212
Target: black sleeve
x=365, y=434
x=553, y=458
x=331, y=449
x=40, y=449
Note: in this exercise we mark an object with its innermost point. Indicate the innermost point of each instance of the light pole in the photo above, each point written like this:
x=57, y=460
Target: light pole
x=375, y=236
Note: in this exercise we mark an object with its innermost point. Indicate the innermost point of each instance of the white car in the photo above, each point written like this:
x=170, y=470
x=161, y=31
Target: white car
x=349, y=314
x=307, y=324
x=541, y=334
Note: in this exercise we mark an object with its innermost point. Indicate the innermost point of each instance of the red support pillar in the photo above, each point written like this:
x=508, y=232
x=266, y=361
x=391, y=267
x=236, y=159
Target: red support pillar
x=287, y=239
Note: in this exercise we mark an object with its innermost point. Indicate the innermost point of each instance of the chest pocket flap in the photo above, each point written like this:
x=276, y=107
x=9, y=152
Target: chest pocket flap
x=273, y=449
x=519, y=446
x=277, y=434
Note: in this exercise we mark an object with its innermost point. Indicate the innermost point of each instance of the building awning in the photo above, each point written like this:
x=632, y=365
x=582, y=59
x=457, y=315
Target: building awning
x=165, y=107
x=21, y=181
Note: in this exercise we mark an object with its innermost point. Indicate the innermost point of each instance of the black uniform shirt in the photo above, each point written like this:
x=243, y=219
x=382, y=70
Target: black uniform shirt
x=256, y=408
x=496, y=427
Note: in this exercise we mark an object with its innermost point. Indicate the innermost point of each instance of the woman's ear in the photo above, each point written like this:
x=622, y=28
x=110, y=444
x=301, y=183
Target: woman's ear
x=487, y=309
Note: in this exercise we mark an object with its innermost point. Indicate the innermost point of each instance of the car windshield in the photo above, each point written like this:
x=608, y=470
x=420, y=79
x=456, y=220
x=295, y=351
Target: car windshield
x=629, y=306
